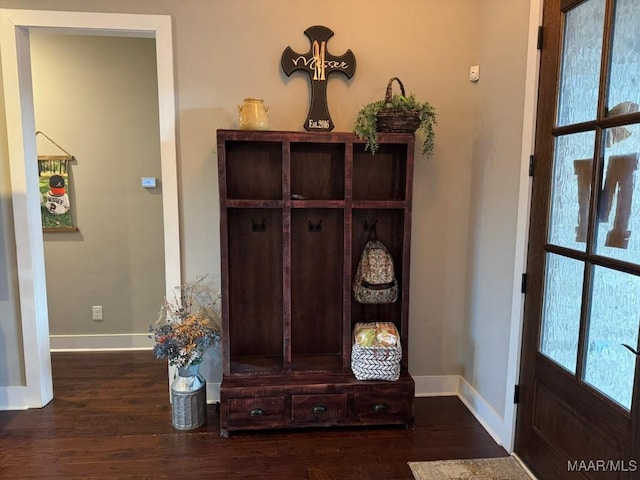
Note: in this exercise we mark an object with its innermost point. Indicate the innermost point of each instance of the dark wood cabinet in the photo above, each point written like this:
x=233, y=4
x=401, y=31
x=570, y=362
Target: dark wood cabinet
x=295, y=211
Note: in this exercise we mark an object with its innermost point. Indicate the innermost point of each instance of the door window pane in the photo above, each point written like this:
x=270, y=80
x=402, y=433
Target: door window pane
x=580, y=73
x=624, y=74
x=571, y=189
x=615, y=315
x=561, y=310
x=618, y=229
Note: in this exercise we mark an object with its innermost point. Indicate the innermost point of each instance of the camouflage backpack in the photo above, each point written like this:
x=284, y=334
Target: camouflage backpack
x=375, y=280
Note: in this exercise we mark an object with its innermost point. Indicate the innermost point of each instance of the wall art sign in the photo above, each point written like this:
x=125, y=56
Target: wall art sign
x=318, y=63
x=55, y=204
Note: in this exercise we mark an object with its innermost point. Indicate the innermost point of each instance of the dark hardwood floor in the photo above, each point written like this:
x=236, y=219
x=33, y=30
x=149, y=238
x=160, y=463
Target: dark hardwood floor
x=111, y=419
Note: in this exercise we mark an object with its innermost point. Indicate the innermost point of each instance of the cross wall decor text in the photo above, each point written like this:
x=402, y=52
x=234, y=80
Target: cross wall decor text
x=319, y=64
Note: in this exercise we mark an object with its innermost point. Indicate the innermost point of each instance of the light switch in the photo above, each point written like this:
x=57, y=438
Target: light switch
x=149, y=182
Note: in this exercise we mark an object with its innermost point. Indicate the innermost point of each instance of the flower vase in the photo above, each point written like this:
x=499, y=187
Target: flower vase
x=188, y=398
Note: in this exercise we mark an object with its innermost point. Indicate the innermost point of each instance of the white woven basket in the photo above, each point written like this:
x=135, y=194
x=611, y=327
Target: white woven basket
x=376, y=363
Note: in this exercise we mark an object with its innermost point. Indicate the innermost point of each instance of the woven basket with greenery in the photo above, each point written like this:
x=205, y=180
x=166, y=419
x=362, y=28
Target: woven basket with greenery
x=397, y=113
x=397, y=120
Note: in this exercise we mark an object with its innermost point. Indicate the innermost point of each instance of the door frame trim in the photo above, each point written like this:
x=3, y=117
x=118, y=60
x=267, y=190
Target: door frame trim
x=15, y=26
x=522, y=227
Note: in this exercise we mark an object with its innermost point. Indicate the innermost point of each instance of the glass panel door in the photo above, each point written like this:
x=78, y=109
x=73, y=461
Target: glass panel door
x=624, y=75
x=590, y=305
x=579, y=385
x=571, y=190
x=618, y=229
x=614, y=322
x=561, y=313
x=581, y=58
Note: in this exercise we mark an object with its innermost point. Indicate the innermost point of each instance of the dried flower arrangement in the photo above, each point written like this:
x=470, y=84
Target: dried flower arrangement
x=188, y=326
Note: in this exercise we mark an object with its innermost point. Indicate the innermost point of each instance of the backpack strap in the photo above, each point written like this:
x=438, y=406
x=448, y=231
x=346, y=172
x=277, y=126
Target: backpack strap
x=378, y=286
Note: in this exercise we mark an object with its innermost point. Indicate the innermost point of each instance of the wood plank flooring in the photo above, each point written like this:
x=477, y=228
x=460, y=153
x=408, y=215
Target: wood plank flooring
x=111, y=419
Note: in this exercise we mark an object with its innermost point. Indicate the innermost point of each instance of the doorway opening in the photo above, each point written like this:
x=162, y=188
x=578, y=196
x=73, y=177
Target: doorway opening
x=15, y=29
x=96, y=98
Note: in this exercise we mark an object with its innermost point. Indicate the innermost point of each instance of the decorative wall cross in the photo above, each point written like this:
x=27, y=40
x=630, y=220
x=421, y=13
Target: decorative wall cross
x=319, y=64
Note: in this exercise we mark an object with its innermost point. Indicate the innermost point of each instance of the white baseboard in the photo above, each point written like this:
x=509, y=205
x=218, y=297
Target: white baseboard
x=455, y=385
x=125, y=341
x=491, y=420
x=13, y=398
x=437, y=385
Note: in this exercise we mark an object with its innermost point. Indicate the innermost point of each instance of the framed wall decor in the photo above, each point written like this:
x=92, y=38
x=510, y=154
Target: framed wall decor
x=55, y=196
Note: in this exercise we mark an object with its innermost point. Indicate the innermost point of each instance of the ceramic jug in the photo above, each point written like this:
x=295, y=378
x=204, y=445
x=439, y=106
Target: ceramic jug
x=253, y=114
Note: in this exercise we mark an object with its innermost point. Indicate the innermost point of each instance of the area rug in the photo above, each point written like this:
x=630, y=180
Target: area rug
x=505, y=468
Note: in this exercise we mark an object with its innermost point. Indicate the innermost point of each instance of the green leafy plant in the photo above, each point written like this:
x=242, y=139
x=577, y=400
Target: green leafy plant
x=366, y=124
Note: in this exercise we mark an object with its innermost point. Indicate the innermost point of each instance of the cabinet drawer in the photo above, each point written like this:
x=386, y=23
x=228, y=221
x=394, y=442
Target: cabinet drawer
x=375, y=405
x=325, y=408
x=260, y=411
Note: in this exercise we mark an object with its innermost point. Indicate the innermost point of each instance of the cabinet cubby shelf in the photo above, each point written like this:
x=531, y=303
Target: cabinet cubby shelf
x=295, y=211
x=390, y=204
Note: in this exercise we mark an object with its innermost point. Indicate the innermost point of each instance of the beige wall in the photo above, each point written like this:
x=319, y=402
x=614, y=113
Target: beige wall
x=495, y=170
x=463, y=219
x=97, y=97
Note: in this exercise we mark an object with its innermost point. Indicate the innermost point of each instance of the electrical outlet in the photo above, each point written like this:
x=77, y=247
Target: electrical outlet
x=96, y=313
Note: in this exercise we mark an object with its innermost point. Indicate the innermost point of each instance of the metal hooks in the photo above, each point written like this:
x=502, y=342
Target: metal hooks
x=258, y=227
x=315, y=227
x=370, y=227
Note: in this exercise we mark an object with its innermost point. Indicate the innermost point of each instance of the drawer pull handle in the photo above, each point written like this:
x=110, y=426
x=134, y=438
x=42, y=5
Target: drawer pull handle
x=319, y=409
x=381, y=407
x=256, y=412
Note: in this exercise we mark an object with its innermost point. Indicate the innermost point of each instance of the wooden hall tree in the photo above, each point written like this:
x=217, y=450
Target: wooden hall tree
x=295, y=211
